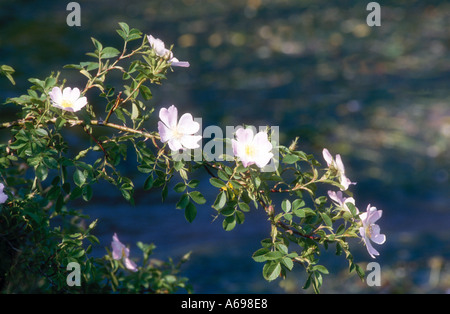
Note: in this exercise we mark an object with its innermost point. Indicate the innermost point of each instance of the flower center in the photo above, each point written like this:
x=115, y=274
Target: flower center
x=176, y=134
x=369, y=231
x=250, y=150
x=66, y=104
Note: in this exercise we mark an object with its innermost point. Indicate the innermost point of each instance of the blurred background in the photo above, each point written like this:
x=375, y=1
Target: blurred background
x=378, y=96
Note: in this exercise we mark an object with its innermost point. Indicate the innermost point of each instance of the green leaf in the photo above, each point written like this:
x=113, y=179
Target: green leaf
x=299, y=212
x=223, y=175
x=145, y=92
x=228, y=211
x=190, y=212
x=148, y=184
x=220, y=200
x=298, y=203
x=217, y=183
x=60, y=122
x=6, y=70
x=127, y=191
x=197, y=197
x=79, y=178
x=179, y=187
x=244, y=207
x=183, y=202
x=37, y=82
x=290, y=159
x=340, y=230
x=288, y=262
x=177, y=165
x=135, y=112
x=229, y=223
x=41, y=172
x=282, y=248
x=308, y=282
x=321, y=268
x=89, y=65
x=144, y=168
x=134, y=34
x=274, y=255
x=286, y=205
x=193, y=183
x=240, y=217
x=109, y=52
x=97, y=44
x=360, y=271
x=124, y=27
x=76, y=193
x=352, y=208
x=326, y=219
x=271, y=270
x=51, y=162
x=87, y=193
x=259, y=255
x=49, y=82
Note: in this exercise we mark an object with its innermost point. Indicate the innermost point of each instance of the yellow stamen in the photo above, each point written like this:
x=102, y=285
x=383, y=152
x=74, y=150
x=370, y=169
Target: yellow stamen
x=66, y=104
x=369, y=231
x=250, y=150
x=177, y=134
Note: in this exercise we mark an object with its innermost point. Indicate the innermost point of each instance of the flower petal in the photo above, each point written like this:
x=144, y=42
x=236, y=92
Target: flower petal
x=374, y=214
x=327, y=156
x=177, y=63
x=164, y=132
x=236, y=147
x=157, y=45
x=56, y=95
x=187, y=125
x=74, y=95
x=336, y=196
x=379, y=238
x=339, y=164
x=344, y=181
x=190, y=141
x=244, y=135
x=63, y=108
x=370, y=248
x=79, y=103
x=66, y=93
x=262, y=159
x=175, y=144
x=246, y=161
x=3, y=196
x=169, y=116
x=117, y=247
x=130, y=265
x=261, y=142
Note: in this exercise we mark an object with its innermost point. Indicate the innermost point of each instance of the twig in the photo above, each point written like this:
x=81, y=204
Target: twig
x=74, y=122
x=308, y=236
x=96, y=141
x=119, y=100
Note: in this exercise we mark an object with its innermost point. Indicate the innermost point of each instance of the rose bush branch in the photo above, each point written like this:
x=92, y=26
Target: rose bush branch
x=305, y=222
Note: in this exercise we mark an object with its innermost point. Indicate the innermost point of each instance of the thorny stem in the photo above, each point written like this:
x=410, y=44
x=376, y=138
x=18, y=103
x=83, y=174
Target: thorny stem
x=74, y=122
x=96, y=141
x=118, y=101
x=285, y=227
